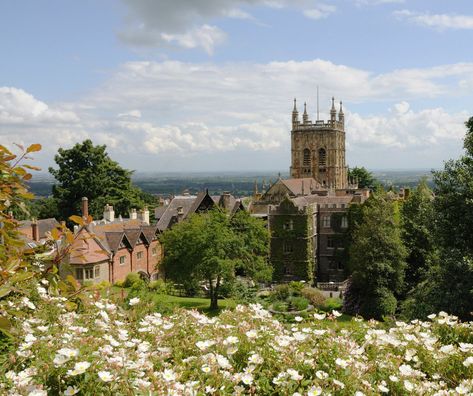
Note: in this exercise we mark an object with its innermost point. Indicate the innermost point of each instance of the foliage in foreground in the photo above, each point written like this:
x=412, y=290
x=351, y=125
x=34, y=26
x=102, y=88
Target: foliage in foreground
x=110, y=350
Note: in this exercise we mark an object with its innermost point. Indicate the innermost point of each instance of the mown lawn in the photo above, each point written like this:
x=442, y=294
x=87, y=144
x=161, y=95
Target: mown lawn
x=201, y=304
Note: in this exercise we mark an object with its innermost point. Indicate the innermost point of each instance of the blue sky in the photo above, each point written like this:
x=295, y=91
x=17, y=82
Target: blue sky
x=196, y=85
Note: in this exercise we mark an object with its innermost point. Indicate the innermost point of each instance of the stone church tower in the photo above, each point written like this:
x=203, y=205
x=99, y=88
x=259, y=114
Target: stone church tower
x=318, y=148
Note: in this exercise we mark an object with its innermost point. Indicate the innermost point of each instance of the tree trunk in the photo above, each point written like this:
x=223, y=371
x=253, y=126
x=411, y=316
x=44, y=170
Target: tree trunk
x=214, y=294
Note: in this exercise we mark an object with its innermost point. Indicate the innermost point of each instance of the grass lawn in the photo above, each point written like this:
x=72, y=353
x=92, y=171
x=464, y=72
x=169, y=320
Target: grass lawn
x=201, y=304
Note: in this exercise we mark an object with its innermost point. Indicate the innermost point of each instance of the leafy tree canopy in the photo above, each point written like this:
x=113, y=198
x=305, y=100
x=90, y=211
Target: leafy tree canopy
x=87, y=170
x=376, y=259
x=417, y=217
x=210, y=247
x=363, y=176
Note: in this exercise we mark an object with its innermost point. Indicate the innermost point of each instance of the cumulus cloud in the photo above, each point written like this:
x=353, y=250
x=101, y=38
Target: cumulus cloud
x=320, y=11
x=437, y=21
x=190, y=23
x=377, y=2
x=189, y=110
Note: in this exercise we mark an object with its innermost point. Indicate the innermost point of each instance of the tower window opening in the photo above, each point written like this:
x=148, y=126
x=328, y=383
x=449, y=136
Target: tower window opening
x=306, y=160
x=322, y=158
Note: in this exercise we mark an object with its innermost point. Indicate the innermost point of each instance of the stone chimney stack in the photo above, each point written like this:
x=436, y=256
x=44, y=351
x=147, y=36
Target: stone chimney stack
x=109, y=214
x=85, y=207
x=225, y=200
x=133, y=214
x=35, y=230
x=144, y=215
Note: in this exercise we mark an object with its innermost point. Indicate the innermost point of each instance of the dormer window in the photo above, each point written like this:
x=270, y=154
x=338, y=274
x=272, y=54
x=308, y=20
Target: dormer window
x=180, y=210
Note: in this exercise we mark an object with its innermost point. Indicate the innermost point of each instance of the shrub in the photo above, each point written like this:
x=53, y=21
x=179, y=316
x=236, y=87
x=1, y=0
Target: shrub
x=280, y=306
x=315, y=296
x=298, y=303
x=281, y=292
x=382, y=303
x=119, y=283
x=158, y=286
x=243, y=293
x=131, y=278
x=332, y=303
x=296, y=287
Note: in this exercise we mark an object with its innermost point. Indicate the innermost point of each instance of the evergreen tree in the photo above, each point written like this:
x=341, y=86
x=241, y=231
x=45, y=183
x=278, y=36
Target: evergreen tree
x=376, y=260
x=87, y=170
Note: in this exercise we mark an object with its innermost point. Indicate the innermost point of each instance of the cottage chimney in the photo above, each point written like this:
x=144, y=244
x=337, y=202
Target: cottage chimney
x=133, y=214
x=109, y=214
x=85, y=207
x=35, y=230
x=144, y=215
x=225, y=200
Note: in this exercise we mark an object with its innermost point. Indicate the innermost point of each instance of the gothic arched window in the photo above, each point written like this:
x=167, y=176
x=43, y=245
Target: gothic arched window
x=322, y=158
x=306, y=161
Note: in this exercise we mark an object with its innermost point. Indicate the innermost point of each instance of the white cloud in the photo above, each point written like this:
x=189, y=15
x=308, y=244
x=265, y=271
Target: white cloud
x=18, y=106
x=205, y=36
x=320, y=11
x=437, y=21
x=190, y=23
x=189, y=110
x=377, y=2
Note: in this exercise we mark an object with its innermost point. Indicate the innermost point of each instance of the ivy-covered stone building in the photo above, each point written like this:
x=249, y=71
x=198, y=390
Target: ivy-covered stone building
x=307, y=214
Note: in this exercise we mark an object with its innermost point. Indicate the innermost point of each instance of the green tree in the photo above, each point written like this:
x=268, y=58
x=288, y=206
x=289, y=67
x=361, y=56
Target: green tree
x=449, y=284
x=87, y=170
x=363, y=176
x=376, y=260
x=210, y=247
x=417, y=217
x=454, y=199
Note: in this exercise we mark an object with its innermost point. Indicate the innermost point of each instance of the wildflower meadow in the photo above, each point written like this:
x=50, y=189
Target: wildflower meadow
x=123, y=348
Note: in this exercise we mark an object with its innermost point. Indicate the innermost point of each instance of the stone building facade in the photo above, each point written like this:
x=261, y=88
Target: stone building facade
x=307, y=214
x=318, y=148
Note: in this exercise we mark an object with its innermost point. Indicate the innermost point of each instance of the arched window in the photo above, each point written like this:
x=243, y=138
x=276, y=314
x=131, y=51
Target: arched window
x=322, y=158
x=306, y=157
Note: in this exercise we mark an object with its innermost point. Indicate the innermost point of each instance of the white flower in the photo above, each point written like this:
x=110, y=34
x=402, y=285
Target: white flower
x=255, y=359
x=252, y=334
x=342, y=363
x=339, y=384
x=134, y=301
x=30, y=338
x=319, y=316
x=79, y=368
x=70, y=390
x=105, y=376
x=294, y=374
x=169, y=375
x=462, y=389
x=405, y=370
x=432, y=316
x=68, y=352
x=393, y=378
x=314, y=391
x=336, y=313
x=468, y=361
x=408, y=385
x=203, y=345
x=383, y=388
x=298, y=318
x=247, y=378
x=230, y=340
x=321, y=374
x=232, y=349
x=205, y=368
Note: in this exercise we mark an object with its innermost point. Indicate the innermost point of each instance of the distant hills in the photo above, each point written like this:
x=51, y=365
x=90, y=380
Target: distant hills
x=238, y=183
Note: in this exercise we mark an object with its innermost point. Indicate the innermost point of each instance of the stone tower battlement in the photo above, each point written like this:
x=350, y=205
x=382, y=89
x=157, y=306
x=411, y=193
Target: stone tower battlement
x=318, y=148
